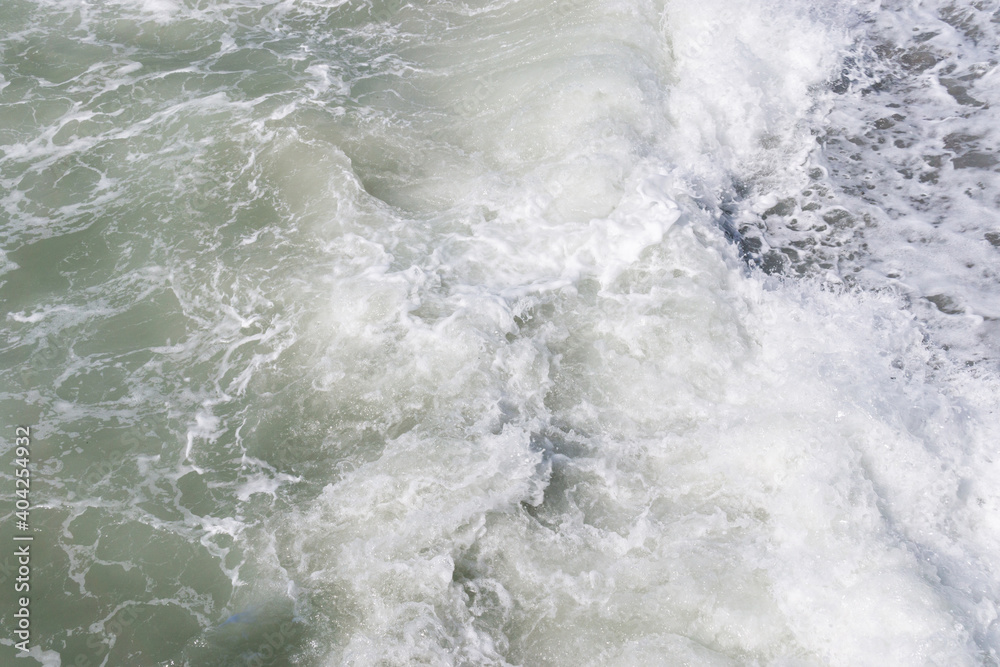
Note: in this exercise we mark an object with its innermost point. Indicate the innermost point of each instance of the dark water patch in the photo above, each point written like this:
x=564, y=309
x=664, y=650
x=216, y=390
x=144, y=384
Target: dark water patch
x=42, y=268
x=975, y=160
x=960, y=91
x=268, y=635
x=946, y=304
x=154, y=322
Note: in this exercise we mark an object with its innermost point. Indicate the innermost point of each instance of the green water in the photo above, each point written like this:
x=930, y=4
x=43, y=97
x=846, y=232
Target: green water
x=155, y=209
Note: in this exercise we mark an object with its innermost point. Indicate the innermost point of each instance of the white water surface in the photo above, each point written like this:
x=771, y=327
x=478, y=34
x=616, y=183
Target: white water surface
x=595, y=332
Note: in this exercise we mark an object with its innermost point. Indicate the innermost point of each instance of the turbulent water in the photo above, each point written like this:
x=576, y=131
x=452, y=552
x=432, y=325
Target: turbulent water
x=531, y=332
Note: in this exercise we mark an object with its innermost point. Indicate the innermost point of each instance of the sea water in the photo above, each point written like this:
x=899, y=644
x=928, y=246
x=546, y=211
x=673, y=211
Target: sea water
x=531, y=332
